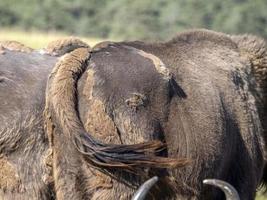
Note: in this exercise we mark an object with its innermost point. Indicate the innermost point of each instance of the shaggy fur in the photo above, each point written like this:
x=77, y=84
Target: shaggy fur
x=193, y=93
x=254, y=49
x=8, y=175
x=24, y=146
x=62, y=86
x=218, y=124
x=69, y=130
x=127, y=90
x=62, y=46
x=25, y=150
x=14, y=46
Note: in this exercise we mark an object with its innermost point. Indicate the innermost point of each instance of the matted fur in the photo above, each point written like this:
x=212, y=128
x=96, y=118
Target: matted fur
x=61, y=105
x=215, y=123
x=14, y=46
x=62, y=46
x=8, y=175
x=23, y=141
x=209, y=68
x=254, y=49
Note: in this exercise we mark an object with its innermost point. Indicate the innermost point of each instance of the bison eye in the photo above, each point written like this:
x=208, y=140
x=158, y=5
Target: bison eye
x=136, y=100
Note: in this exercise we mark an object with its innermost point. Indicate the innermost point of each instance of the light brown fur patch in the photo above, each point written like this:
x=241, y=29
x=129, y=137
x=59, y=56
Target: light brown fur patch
x=98, y=181
x=62, y=46
x=158, y=64
x=14, y=46
x=160, y=67
x=8, y=175
x=98, y=123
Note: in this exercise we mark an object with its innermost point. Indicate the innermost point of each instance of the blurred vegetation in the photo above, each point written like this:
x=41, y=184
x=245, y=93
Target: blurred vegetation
x=38, y=40
x=135, y=19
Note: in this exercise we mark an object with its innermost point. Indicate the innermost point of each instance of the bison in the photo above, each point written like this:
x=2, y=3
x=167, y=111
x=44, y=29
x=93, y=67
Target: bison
x=28, y=152
x=209, y=55
x=118, y=114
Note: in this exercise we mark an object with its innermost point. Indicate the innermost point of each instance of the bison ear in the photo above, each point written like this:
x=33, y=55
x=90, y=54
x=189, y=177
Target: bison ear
x=175, y=89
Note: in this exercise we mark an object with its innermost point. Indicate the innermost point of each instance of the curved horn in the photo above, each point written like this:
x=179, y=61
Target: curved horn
x=144, y=189
x=229, y=191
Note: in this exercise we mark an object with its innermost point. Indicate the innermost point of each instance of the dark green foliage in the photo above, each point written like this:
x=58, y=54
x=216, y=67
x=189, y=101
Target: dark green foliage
x=136, y=19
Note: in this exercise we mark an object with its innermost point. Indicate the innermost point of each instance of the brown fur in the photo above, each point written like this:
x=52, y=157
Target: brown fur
x=68, y=64
x=101, y=46
x=62, y=46
x=8, y=175
x=23, y=142
x=2, y=50
x=62, y=85
x=254, y=49
x=62, y=118
x=209, y=68
x=14, y=46
x=117, y=127
x=209, y=115
x=100, y=124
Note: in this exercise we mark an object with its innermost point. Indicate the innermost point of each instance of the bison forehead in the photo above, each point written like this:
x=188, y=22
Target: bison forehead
x=127, y=70
x=158, y=64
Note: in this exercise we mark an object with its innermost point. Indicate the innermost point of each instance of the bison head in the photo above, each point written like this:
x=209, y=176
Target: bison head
x=124, y=96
